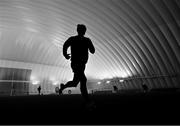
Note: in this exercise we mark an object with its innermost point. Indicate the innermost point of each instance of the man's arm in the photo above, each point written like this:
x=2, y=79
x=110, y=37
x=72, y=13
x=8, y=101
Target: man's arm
x=65, y=48
x=91, y=47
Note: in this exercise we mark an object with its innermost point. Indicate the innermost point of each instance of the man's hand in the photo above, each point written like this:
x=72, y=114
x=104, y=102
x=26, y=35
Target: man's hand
x=68, y=56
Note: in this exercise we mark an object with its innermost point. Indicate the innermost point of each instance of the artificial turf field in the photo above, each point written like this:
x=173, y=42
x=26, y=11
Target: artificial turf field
x=153, y=108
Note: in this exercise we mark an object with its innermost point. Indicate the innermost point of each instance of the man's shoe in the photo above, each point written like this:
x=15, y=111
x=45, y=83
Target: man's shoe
x=61, y=88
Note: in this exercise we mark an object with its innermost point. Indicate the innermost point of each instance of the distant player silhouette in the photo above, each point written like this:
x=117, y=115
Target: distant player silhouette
x=145, y=88
x=115, y=89
x=80, y=48
x=39, y=90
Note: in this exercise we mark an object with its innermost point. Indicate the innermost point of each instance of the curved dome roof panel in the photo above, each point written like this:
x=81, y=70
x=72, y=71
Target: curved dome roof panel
x=131, y=37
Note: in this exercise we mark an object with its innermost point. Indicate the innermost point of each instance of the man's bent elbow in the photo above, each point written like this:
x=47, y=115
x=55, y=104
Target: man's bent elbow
x=93, y=51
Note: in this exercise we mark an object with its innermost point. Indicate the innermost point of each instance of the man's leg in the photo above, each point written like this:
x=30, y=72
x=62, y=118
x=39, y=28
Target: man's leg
x=72, y=83
x=83, y=87
x=89, y=104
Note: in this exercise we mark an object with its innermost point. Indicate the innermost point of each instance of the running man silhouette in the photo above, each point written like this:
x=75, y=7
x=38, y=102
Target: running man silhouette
x=80, y=48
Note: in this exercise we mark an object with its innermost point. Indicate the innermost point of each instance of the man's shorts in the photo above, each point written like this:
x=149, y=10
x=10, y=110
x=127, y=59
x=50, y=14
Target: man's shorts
x=78, y=67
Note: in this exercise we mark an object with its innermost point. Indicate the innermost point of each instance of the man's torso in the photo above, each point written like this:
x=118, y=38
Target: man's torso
x=79, y=49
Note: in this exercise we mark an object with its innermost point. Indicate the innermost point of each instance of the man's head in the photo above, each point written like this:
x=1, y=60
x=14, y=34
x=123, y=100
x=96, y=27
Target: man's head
x=81, y=29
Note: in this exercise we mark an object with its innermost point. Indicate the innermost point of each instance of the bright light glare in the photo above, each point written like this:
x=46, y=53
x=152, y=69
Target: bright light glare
x=55, y=83
x=53, y=80
x=99, y=83
x=121, y=80
x=35, y=82
x=107, y=82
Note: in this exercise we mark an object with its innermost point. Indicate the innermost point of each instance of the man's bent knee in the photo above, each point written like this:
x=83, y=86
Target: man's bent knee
x=72, y=84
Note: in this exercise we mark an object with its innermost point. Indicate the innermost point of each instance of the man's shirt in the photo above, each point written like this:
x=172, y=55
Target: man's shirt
x=79, y=48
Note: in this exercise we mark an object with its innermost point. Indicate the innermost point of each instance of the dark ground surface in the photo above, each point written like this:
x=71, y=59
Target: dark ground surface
x=112, y=109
